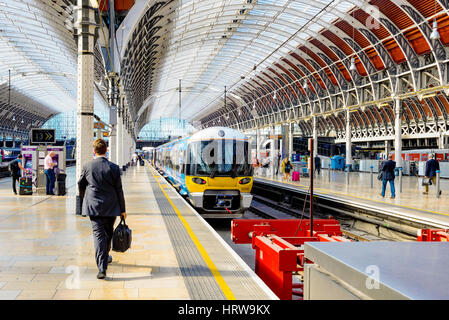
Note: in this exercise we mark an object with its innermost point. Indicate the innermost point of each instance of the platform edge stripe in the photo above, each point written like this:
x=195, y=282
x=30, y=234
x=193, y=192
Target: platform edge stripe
x=238, y=259
x=327, y=192
x=218, y=277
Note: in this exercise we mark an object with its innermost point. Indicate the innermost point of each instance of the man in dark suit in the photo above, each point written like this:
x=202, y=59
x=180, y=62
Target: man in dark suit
x=317, y=164
x=102, y=199
x=431, y=171
x=388, y=176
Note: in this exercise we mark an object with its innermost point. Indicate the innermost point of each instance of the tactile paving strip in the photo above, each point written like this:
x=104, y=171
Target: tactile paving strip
x=198, y=278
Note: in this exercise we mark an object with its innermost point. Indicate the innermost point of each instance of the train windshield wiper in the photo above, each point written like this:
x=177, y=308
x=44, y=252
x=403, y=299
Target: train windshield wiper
x=234, y=171
x=213, y=170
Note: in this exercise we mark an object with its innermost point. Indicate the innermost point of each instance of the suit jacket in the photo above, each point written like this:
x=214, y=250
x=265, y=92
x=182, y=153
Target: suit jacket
x=388, y=170
x=431, y=167
x=317, y=162
x=100, y=188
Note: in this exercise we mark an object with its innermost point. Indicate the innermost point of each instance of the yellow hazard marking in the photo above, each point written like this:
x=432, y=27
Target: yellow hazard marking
x=218, y=277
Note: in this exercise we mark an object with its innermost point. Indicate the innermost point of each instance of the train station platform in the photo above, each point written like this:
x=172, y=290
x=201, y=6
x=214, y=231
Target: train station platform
x=47, y=251
x=410, y=204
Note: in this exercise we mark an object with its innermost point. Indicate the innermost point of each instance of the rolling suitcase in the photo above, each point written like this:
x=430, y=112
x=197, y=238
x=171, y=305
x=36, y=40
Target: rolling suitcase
x=295, y=176
x=25, y=186
x=60, y=184
x=142, y=163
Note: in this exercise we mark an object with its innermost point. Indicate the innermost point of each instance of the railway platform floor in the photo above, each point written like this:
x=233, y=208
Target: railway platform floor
x=411, y=203
x=47, y=251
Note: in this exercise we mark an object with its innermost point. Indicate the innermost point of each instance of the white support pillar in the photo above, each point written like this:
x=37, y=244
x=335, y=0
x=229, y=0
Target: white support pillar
x=257, y=144
x=113, y=144
x=315, y=137
x=398, y=132
x=348, y=139
x=291, y=128
x=85, y=26
x=119, y=137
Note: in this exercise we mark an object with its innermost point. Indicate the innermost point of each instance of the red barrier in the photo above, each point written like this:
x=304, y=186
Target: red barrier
x=277, y=243
x=433, y=235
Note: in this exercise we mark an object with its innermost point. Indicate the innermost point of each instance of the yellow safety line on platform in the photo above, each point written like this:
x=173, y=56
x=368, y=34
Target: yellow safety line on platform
x=218, y=277
x=330, y=192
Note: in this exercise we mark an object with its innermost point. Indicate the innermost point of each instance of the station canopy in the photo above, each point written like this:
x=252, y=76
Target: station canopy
x=38, y=63
x=286, y=60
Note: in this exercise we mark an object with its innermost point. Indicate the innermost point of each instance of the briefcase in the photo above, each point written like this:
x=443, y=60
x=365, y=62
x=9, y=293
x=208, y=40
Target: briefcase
x=122, y=237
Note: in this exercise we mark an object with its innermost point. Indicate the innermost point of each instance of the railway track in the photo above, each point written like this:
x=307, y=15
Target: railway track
x=277, y=204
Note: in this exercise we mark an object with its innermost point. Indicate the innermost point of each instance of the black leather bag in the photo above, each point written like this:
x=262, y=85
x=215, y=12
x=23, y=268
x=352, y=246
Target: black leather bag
x=380, y=176
x=122, y=237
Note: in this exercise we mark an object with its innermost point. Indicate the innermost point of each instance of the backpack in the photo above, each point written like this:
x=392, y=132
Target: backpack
x=13, y=167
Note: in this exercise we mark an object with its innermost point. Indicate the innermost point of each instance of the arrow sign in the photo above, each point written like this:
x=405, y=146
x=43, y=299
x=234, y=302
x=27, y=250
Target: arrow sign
x=43, y=135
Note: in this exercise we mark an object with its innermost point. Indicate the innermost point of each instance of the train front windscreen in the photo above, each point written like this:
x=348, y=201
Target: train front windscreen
x=218, y=158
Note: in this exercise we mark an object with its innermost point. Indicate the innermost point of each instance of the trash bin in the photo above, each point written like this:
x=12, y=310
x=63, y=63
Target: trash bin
x=60, y=184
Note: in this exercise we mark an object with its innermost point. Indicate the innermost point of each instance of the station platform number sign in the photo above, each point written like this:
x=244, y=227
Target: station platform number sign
x=43, y=135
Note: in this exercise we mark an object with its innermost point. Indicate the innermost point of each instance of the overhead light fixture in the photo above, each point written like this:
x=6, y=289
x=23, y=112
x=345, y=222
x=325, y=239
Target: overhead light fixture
x=274, y=95
x=384, y=104
x=13, y=118
x=240, y=112
x=305, y=85
x=435, y=35
x=352, y=67
x=22, y=120
x=254, y=105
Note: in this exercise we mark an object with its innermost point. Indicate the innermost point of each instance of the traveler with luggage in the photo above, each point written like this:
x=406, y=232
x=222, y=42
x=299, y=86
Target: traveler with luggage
x=135, y=159
x=102, y=199
x=432, y=166
x=50, y=173
x=15, y=168
x=388, y=176
x=286, y=167
x=139, y=158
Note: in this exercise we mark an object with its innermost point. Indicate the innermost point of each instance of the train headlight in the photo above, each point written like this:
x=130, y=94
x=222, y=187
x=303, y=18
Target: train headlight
x=199, y=181
x=245, y=181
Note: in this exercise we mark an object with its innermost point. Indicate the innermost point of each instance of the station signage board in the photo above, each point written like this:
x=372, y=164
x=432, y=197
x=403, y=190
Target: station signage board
x=98, y=125
x=43, y=135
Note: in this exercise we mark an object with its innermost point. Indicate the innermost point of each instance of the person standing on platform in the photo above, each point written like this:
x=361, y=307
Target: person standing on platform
x=101, y=193
x=432, y=166
x=317, y=164
x=15, y=168
x=134, y=159
x=388, y=176
x=139, y=159
x=50, y=172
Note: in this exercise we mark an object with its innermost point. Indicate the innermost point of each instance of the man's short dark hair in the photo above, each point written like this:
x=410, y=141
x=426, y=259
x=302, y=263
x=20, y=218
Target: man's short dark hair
x=19, y=156
x=100, y=146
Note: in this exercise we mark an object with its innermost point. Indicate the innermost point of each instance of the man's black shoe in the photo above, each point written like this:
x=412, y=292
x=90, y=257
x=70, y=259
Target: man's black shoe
x=109, y=259
x=101, y=275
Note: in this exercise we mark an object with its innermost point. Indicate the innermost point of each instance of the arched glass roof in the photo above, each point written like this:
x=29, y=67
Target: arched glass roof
x=38, y=48
x=209, y=44
x=165, y=129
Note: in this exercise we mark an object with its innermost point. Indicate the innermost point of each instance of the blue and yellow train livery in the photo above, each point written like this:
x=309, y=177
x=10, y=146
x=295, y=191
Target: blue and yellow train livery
x=212, y=169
